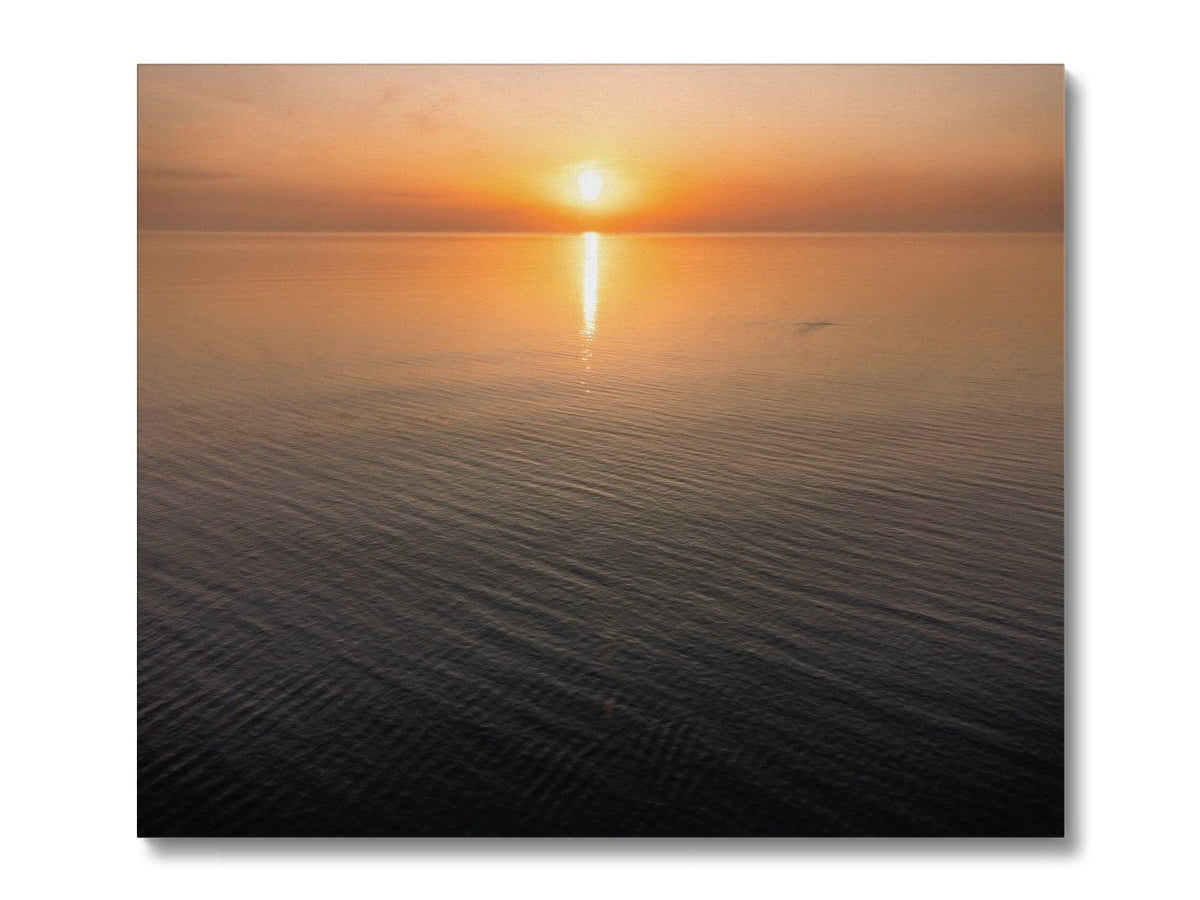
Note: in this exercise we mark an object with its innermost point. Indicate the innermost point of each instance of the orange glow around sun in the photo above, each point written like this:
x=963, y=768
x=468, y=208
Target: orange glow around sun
x=592, y=188
x=595, y=193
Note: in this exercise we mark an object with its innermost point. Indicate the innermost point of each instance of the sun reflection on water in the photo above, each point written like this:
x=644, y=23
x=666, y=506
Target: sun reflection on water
x=591, y=275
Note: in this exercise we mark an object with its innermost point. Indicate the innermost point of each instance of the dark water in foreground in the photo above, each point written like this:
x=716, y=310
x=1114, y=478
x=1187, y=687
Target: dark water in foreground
x=600, y=536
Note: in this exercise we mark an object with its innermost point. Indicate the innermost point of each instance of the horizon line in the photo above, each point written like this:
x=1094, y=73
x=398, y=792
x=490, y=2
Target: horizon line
x=512, y=233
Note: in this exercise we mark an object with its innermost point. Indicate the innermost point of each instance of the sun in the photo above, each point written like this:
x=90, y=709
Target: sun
x=591, y=188
x=590, y=183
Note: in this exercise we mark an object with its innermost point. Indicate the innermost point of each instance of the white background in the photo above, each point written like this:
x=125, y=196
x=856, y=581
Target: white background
x=69, y=804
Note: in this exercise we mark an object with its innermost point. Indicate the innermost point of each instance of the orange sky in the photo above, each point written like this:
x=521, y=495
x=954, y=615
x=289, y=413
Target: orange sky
x=682, y=148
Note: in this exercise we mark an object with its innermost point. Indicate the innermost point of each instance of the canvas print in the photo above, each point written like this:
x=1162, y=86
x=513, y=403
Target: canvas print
x=600, y=451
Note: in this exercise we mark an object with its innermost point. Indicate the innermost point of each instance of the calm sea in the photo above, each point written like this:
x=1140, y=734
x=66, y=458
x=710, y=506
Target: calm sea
x=600, y=535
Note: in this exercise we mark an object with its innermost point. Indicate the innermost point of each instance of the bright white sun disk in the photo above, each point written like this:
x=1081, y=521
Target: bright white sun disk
x=591, y=183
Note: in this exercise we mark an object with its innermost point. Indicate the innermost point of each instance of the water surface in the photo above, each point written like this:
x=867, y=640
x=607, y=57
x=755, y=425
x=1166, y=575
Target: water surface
x=591, y=535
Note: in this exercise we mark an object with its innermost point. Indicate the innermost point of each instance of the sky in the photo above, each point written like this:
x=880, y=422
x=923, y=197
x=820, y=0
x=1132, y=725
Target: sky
x=663, y=148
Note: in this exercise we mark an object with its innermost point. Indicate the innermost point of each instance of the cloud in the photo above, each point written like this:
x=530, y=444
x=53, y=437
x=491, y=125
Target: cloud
x=187, y=174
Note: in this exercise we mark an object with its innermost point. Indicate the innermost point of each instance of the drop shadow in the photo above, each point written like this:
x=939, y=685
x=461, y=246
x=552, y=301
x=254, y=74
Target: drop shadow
x=582, y=848
x=1074, y=460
